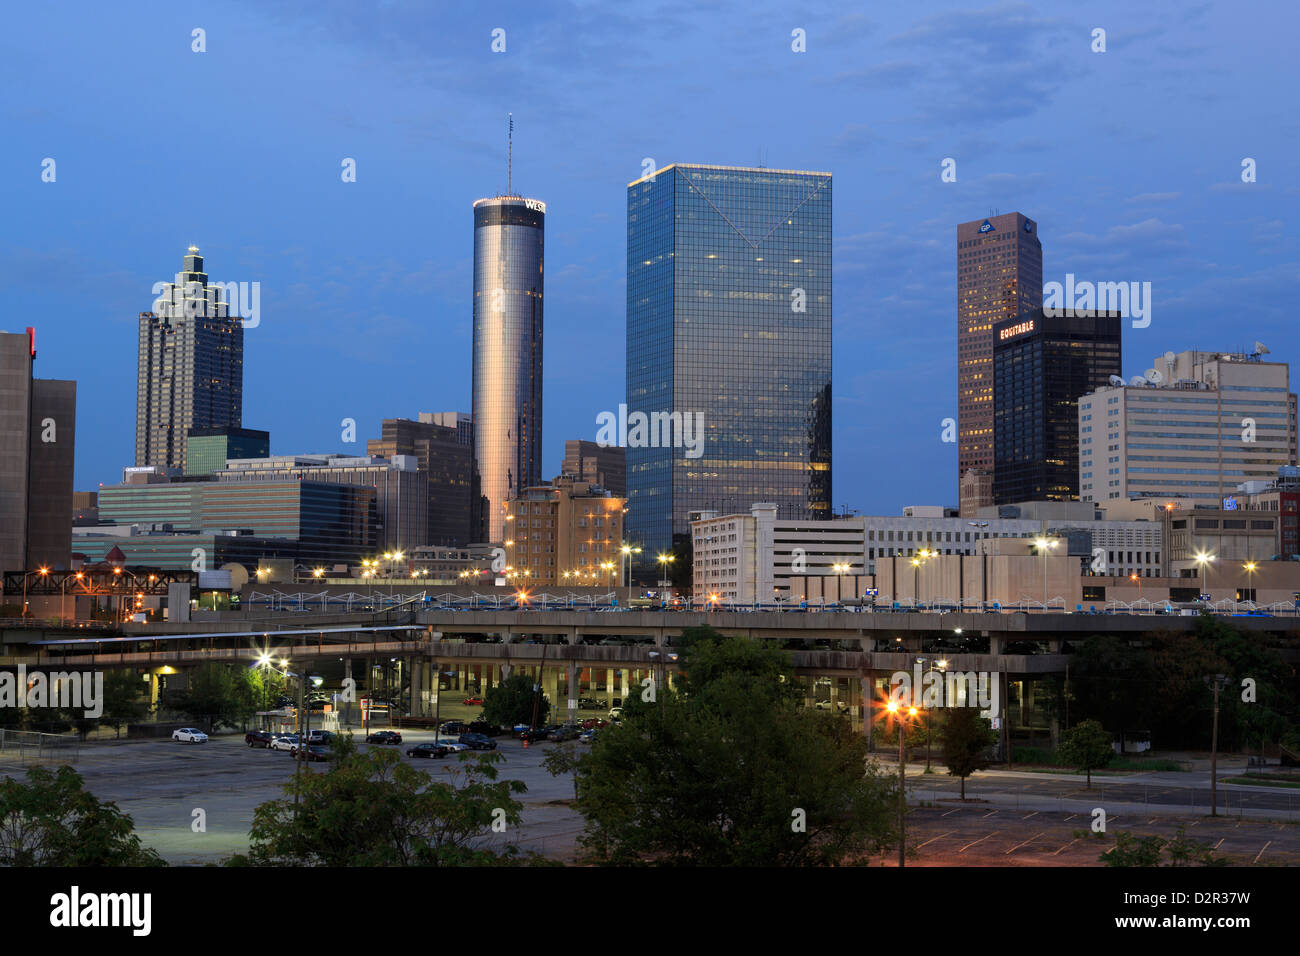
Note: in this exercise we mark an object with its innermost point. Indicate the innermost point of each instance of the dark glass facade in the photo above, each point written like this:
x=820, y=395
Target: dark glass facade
x=1041, y=366
x=729, y=316
x=509, y=234
x=190, y=371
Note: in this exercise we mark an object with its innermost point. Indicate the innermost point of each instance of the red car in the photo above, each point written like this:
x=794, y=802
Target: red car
x=594, y=722
x=473, y=701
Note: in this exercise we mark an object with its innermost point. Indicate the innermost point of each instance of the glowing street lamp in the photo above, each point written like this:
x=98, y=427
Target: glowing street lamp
x=1044, y=546
x=1204, y=561
x=896, y=711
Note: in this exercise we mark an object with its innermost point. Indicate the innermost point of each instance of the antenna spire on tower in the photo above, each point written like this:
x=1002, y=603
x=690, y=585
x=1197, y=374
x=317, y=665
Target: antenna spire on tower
x=510, y=154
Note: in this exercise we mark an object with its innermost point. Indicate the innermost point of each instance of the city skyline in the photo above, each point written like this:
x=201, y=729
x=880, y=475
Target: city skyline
x=345, y=275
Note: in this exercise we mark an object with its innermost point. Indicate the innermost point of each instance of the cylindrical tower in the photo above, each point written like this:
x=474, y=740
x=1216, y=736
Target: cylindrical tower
x=509, y=236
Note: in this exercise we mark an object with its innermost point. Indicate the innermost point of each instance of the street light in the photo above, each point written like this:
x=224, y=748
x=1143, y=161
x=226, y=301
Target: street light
x=1250, y=567
x=942, y=665
x=42, y=572
x=897, y=712
x=664, y=561
x=1044, y=544
x=1203, y=562
x=627, y=551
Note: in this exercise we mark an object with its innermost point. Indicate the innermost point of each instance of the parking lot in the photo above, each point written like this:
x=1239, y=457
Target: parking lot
x=160, y=783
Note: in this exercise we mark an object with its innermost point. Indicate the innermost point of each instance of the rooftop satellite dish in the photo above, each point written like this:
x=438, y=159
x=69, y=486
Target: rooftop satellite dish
x=1170, y=357
x=1261, y=348
x=1117, y=381
x=1154, y=376
x=1137, y=381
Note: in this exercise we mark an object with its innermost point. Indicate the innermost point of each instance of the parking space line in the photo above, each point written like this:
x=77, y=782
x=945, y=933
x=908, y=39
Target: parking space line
x=989, y=814
x=953, y=810
x=1261, y=852
x=1026, y=843
x=980, y=840
x=1066, y=847
x=1033, y=814
x=932, y=839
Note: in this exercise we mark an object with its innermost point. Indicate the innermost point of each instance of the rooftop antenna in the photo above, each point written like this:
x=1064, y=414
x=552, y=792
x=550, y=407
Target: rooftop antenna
x=510, y=154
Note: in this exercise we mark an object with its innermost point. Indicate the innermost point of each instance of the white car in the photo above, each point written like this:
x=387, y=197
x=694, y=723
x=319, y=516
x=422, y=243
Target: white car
x=455, y=746
x=190, y=735
x=838, y=705
x=287, y=742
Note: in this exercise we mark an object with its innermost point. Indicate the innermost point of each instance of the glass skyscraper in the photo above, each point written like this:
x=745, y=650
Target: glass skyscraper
x=191, y=366
x=509, y=234
x=728, y=324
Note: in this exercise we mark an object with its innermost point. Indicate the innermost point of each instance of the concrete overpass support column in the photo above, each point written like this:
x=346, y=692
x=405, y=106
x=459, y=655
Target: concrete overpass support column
x=1054, y=646
x=610, y=689
x=550, y=681
x=573, y=693
x=995, y=644
x=623, y=684
x=153, y=690
x=506, y=670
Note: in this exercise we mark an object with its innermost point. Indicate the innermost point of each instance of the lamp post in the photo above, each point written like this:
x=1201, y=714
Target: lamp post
x=1136, y=577
x=1203, y=563
x=897, y=711
x=665, y=566
x=1249, y=567
x=626, y=550
x=42, y=572
x=1217, y=682
x=942, y=665
x=1044, y=544
x=841, y=568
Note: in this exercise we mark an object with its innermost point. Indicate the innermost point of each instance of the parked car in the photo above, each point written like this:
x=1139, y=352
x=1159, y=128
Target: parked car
x=190, y=735
x=839, y=706
x=615, y=713
x=518, y=729
x=592, y=703
x=478, y=741
x=567, y=732
x=484, y=728
x=473, y=701
x=587, y=736
x=428, y=750
x=322, y=737
x=259, y=738
x=285, y=742
x=536, y=734
x=384, y=737
x=454, y=746
x=453, y=727
x=594, y=723
x=312, y=752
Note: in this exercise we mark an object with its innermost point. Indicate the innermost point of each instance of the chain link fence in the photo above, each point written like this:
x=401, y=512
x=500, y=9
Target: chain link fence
x=30, y=746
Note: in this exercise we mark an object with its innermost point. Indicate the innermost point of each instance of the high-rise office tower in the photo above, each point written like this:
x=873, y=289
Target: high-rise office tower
x=728, y=347
x=38, y=430
x=191, y=366
x=999, y=276
x=1206, y=423
x=1041, y=366
x=509, y=234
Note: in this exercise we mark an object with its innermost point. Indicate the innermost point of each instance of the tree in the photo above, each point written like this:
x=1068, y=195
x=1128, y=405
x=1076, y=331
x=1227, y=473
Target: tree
x=217, y=694
x=1147, y=851
x=1086, y=746
x=967, y=738
x=729, y=769
x=511, y=702
x=371, y=809
x=53, y=821
x=122, y=703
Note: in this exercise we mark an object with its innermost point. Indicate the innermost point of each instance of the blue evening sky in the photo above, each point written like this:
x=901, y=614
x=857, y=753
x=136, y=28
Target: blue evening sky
x=1129, y=160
